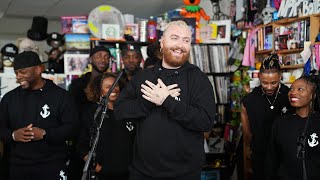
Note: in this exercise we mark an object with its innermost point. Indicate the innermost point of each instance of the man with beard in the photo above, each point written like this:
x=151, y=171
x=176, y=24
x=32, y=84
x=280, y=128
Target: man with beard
x=259, y=109
x=131, y=59
x=172, y=104
x=99, y=59
x=35, y=123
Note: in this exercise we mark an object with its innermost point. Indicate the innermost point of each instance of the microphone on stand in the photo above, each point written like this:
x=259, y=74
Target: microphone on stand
x=102, y=107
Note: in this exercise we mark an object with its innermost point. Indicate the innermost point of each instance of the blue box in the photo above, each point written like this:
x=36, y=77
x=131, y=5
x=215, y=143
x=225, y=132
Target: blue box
x=210, y=175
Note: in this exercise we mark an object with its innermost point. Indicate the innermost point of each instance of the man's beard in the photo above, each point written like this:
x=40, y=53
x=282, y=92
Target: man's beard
x=172, y=60
x=98, y=70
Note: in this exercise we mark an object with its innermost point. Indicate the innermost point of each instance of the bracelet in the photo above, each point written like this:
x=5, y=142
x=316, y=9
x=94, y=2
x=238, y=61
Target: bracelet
x=13, y=136
x=44, y=134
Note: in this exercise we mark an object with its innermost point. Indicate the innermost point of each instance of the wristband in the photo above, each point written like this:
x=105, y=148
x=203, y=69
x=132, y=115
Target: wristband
x=13, y=136
x=44, y=134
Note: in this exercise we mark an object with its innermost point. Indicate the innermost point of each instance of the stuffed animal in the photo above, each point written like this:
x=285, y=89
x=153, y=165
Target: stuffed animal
x=192, y=10
x=55, y=55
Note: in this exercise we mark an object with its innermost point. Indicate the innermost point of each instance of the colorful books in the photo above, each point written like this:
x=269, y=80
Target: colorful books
x=74, y=24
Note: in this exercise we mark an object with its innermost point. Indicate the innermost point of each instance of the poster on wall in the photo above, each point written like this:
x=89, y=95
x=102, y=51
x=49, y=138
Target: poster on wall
x=75, y=64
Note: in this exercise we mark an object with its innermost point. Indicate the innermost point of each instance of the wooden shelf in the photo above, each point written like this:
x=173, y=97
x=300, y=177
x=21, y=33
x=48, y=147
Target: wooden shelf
x=290, y=20
x=291, y=51
x=292, y=66
x=263, y=25
x=261, y=52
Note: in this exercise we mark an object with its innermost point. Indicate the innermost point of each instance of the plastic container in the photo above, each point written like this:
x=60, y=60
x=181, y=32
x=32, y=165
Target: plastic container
x=152, y=30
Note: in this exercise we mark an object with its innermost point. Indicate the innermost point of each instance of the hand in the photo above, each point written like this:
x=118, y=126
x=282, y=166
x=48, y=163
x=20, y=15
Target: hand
x=24, y=134
x=157, y=93
x=98, y=168
x=174, y=91
x=38, y=133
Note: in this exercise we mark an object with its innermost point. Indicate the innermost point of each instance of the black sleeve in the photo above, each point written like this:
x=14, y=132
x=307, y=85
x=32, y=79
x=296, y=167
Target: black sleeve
x=83, y=142
x=5, y=132
x=67, y=118
x=130, y=104
x=199, y=115
x=273, y=154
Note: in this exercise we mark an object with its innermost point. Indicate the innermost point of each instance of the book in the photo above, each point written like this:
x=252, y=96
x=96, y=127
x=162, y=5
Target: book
x=68, y=23
x=80, y=26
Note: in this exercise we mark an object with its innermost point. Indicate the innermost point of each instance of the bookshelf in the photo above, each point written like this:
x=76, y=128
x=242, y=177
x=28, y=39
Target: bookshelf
x=293, y=32
x=212, y=59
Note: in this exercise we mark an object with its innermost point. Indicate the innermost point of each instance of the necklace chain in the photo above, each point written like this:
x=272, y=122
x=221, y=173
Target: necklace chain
x=271, y=104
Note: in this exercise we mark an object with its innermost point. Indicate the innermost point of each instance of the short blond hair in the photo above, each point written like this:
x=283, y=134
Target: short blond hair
x=179, y=23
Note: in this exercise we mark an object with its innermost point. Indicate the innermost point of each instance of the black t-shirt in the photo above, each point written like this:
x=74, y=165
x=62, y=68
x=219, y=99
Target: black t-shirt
x=261, y=116
x=282, y=152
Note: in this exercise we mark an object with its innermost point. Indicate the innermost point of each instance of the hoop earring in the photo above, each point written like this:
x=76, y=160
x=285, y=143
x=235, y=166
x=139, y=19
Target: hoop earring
x=160, y=50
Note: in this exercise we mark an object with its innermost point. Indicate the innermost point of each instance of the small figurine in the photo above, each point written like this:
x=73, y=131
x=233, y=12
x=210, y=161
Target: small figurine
x=55, y=55
x=192, y=10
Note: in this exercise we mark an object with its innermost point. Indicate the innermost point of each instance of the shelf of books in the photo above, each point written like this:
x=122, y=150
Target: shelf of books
x=213, y=60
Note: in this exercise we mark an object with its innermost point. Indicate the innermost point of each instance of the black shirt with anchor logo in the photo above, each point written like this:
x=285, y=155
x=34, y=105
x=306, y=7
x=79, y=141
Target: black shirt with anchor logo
x=283, y=162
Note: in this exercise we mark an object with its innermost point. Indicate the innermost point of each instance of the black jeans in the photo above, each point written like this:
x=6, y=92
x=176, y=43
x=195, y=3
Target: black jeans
x=50, y=171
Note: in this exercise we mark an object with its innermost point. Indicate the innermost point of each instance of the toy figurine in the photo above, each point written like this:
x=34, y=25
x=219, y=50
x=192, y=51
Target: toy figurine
x=192, y=10
x=55, y=55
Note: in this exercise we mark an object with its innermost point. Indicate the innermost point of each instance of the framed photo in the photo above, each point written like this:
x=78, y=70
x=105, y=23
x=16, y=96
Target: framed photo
x=132, y=30
x=110, y=31
x=220, y=32
x=282, y=40
x=75, y=64
x=77, y=41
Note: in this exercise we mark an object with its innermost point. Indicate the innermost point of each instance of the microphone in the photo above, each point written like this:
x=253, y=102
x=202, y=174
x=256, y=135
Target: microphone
x=104, y=99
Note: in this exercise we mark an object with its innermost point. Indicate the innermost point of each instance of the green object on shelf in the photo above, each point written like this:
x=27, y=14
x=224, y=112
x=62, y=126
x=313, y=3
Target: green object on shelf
x=236, y=83
x=246, y=79
x=237, y=73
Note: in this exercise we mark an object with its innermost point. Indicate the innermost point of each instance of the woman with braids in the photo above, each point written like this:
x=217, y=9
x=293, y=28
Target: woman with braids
x=114, y=149
x=259, y=109
x=294, y=151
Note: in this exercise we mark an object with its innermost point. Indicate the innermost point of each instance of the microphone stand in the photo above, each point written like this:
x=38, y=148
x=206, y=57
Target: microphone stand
x=102, y=107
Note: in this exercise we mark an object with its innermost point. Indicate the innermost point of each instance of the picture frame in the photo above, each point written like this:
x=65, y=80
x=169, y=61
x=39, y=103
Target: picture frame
x=75, y=64
x=282, y=41
x=132, y=30
x=220, y=32
x=110, y=31
x=77, y=41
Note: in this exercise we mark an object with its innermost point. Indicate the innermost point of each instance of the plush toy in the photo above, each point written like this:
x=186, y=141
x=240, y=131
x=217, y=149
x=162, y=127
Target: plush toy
x=192, y=10
x=55, y=55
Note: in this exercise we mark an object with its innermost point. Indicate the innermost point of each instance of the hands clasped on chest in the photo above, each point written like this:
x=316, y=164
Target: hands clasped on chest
x=157, y=93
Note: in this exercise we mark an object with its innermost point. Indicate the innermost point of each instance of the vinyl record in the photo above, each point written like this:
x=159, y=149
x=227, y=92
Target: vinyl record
x=104, y=14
